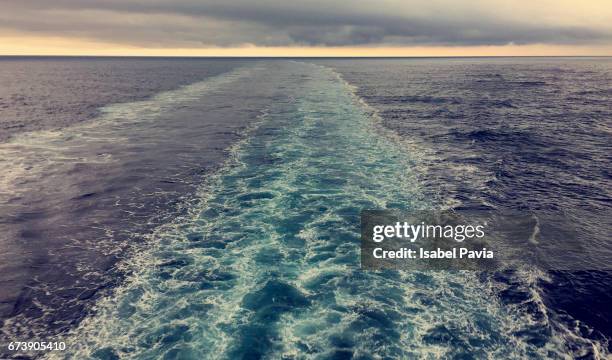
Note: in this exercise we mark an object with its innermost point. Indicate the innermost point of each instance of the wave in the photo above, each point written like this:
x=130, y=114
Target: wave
x=80, y=199
x=267, y=265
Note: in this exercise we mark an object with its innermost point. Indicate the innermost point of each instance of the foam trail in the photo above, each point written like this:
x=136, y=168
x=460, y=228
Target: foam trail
x=269, y=265
x=74, y=201
x=28, y=156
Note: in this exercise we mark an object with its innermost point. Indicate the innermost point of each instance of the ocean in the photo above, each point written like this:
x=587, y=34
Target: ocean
x=209, y=208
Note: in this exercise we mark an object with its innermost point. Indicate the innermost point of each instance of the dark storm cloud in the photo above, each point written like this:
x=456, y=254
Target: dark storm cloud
x=235, y=22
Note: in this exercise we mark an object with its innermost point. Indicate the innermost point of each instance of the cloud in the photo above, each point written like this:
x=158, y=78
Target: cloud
x=190, y=23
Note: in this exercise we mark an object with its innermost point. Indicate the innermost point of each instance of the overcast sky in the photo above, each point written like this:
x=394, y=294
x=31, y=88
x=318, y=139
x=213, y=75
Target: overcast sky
x=311, y=23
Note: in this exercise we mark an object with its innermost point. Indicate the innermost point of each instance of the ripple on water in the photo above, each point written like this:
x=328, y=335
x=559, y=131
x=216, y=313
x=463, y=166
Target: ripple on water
x=270, y=265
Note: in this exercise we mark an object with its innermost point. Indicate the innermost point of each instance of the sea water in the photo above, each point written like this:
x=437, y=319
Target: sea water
x=261, y=258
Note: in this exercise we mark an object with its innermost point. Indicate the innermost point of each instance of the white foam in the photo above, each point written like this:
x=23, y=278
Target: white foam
x=324, y=155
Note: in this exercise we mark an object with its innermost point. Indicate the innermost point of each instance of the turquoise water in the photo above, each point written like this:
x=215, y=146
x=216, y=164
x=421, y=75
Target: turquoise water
x=268, y=265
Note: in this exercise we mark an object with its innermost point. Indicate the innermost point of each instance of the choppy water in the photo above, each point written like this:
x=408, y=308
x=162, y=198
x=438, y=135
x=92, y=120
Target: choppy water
x=75, y=200
x=512, y=134
x=263, y=258
x=43, y=93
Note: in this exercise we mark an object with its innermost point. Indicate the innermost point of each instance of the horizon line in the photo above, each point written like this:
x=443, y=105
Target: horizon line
x=303, y=56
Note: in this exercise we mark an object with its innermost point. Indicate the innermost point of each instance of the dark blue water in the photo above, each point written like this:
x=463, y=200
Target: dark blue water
x=220, y=219
x=40, y=93
x=512, y=134
x=74, y=199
